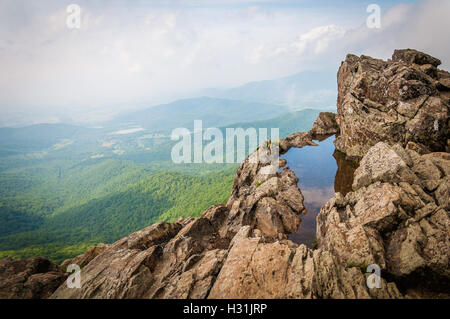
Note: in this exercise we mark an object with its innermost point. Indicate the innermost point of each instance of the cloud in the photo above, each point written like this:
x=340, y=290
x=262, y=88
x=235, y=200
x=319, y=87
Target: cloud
x=134, y=54
x=318, y=39
x=317, y=196
x=423, y=26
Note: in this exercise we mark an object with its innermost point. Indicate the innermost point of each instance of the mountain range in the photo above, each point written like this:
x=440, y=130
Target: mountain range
x=308, y=89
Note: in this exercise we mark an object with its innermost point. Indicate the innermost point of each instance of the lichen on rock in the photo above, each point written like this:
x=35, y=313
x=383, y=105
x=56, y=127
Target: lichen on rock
x=402, y=100
x=394, y=218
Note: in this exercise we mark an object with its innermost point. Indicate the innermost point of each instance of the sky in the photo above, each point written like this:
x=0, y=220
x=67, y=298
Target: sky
x=131, y=54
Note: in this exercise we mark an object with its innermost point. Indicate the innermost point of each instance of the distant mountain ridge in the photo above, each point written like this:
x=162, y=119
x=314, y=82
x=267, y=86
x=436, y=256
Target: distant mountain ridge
x=308, y=89
x=37, y=135
x=214, y=112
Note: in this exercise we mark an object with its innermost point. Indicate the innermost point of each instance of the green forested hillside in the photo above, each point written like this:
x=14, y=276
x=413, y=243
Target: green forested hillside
x=163, y=196
x=66, y=190
x=287, y=123
x=37, y=136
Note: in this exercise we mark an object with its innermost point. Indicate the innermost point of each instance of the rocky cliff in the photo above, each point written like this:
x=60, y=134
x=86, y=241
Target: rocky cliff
x=393, y=116
x=397, y=217
x=404, y=100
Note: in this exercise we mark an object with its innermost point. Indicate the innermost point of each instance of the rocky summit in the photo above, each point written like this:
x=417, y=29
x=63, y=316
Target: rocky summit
x=404, y=100
x=393, y=120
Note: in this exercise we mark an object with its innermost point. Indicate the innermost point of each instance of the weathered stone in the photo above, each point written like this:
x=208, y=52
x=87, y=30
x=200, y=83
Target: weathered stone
x=162, y=261
x=396, y=101
x=391, y=220
x=31, y=278
x=270, y=202
x=413, y=56
x=254, y=269
x=299, y=140
x=83, y=259
x=382, y=164
x=325, y=124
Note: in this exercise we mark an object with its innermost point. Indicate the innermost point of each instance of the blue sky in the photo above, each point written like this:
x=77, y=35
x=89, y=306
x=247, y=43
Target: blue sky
x=130, y=53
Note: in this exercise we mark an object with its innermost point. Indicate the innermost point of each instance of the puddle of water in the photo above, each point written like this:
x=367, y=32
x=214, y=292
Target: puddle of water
x=344, y=175
x=321, y=171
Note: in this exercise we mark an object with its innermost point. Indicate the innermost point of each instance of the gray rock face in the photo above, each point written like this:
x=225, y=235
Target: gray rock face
x=264, y=199
x=397, y=217
x=255, y=268
x=383, y=164
x=325, y=124
x=402, y=100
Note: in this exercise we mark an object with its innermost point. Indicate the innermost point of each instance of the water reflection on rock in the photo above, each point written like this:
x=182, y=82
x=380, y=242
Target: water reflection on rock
x=344, y=175
x=322, y=171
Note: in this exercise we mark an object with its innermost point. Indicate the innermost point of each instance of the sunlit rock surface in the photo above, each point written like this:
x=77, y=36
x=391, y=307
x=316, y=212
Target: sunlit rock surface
x=396, y=217
x=404, y=100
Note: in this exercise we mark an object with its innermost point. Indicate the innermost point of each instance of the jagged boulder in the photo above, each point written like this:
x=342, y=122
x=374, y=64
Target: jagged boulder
x=156, y=262
x=382, y=163
x=411, y=56
x=255, y=268
x=263, y=197
x=402, y=100
x=397, y=217
x=325, y=124
x=30, y=278
x=183, y=259
x=238, y=250
x=298, y=140
x=83, y=259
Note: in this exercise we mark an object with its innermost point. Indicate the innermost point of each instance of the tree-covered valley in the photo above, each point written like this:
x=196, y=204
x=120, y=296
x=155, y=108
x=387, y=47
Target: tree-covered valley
x=65, y=188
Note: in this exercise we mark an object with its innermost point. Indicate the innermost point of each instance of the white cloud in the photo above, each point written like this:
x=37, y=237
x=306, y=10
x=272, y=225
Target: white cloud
x=423, y=26
x=135, y=55
x=319, y=38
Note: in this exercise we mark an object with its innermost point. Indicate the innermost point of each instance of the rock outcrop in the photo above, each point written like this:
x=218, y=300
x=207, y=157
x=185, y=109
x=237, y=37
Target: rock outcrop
x=85, y=258
x=237, y=250
x=165, y=260
x=405, y=100
x=31, y=278
x=255, y=268
x=268, y=200
x=325, y=124
x=396, y=214
x=183, y=259
x=397, y=217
